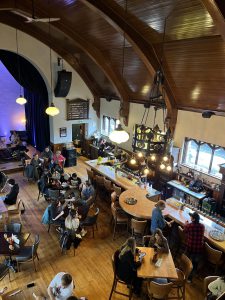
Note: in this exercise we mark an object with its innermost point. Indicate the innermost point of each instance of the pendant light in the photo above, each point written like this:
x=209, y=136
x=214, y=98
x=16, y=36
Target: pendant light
x=20, y=100
x=52, y=110
x=119, y=135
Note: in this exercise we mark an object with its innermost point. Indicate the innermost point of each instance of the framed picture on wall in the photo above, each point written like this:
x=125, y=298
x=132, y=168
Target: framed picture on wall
x=63, y=132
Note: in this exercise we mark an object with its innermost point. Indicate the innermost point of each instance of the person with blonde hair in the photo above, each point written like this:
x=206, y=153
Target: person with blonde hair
x=127, y=264
x=159, y=242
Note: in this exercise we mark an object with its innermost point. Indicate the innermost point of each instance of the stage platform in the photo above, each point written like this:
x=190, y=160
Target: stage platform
x=16, y=166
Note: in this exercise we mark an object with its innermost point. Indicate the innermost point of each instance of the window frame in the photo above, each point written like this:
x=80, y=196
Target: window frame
x=199, y=144
x=109, y=120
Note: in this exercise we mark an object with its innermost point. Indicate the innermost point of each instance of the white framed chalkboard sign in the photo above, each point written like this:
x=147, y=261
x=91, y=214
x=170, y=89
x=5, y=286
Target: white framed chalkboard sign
x=77, y=109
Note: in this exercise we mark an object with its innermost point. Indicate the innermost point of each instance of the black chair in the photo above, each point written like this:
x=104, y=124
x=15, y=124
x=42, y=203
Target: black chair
x=28, y=254
x=91, y=221
x=13, y=227
x=40, y=194
x=116, y=279
x=4, y=270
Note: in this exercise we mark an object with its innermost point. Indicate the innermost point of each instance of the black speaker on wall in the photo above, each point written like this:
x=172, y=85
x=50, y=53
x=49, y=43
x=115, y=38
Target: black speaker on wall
x=63, y=84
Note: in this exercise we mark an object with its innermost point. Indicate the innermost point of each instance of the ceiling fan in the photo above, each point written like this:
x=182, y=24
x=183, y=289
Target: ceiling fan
x=33, y=19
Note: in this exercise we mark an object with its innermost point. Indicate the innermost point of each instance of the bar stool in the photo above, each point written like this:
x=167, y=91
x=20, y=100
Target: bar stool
x=91, y=176
x=108, y=188
x=99, y=184
x=213, y=256
x=117, y=189
x=119, y=217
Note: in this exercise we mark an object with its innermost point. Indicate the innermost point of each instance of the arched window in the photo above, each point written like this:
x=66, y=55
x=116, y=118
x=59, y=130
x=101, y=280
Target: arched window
x=218, y=158
x=190, y=153
x=204, y=158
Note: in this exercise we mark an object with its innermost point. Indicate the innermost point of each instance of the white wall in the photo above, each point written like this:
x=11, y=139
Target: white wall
x=38, y=54
x=191, y=124
x=111, y=109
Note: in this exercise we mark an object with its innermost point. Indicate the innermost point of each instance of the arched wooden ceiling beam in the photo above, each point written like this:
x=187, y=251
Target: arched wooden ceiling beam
x=115, y=77
x=72, y=61
x=216, y=15
x=122, y=21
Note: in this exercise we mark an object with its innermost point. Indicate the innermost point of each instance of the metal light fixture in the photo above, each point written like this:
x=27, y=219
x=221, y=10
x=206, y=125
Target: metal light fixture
x=20, y=100
x=162, y=166
x=119, y=135
x=52, y=110
x=146, y=171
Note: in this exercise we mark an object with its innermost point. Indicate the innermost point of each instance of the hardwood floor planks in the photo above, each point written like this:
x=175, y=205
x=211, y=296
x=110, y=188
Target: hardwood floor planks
x=91, y=267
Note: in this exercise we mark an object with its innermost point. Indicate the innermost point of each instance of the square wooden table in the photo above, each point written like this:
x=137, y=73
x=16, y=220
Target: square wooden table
x=149, y=270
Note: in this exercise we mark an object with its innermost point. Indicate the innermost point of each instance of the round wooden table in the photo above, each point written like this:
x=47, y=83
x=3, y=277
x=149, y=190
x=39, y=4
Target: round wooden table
x=143, y=208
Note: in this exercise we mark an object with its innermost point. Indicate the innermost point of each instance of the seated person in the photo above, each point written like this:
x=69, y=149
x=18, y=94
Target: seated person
x=127, y=265
x=14, y=138
x=216, y=288
x=75, y=180
x=72, y=225
x=11, y=197
x=59, y=211
x=58, y=159
x=47, y=156
x=87, y=191
x=61, y=287
x=34, y=169
x=159, y=242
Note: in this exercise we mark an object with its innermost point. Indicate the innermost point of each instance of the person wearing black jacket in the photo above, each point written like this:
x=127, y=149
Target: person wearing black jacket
x=11, y=197
x=127, y=265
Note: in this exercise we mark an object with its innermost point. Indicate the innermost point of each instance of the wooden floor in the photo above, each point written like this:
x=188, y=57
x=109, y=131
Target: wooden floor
x=91, y=267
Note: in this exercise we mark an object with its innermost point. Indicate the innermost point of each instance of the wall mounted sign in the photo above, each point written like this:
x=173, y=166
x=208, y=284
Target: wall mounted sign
x=63, y=132
x=77, y=109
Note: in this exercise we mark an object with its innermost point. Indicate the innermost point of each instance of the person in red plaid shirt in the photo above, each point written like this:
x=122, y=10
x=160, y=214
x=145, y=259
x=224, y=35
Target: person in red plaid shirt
x=194, y=233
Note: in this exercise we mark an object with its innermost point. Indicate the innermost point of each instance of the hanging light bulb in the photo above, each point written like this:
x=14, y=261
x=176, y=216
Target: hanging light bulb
x=165, y=158
x=146, y=171
x=153, y=157
x=21, y=100
x=52, y=110
x=168, y=168
x=133, y=161
x=140, y=154
x=162, y=166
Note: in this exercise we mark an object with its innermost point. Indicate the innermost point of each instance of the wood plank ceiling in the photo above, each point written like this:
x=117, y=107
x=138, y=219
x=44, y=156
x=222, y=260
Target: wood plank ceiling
x=90, y=36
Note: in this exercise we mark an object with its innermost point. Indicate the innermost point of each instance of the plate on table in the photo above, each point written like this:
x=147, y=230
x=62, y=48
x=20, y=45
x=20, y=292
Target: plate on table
x=217, y=235
x=131, y=201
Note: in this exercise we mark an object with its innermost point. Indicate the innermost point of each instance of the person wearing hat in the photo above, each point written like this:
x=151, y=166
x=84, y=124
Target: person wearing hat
x=158, y=220
x=194, y=233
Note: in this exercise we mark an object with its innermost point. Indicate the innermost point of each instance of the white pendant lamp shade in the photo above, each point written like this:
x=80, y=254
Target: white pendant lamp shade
x=52, y=110
x=119, y=135
x=21, y=100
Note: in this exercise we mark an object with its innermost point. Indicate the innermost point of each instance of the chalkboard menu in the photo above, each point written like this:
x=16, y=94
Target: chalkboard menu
x=77, y=109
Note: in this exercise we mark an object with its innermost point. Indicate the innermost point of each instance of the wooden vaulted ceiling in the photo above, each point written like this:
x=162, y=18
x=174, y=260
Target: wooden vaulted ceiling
x=90, y=36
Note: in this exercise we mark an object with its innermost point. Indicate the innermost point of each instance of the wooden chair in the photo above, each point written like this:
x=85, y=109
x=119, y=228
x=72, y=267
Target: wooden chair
x=113, y=197
x=159, y=291
x=117, y=280
x=185, y=268
x=13, y=227
x=28, y=254
x=91, y=176
x=99, y=184
x=138, y=227
x=119, y=217
x=206, y=282
x=91, y=221
x=145, y=240
x=15, y=210
x=117, y=189
x=213, y=256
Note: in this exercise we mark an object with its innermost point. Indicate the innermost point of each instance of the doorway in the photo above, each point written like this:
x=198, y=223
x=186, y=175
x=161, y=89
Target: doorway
x=78, y=133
